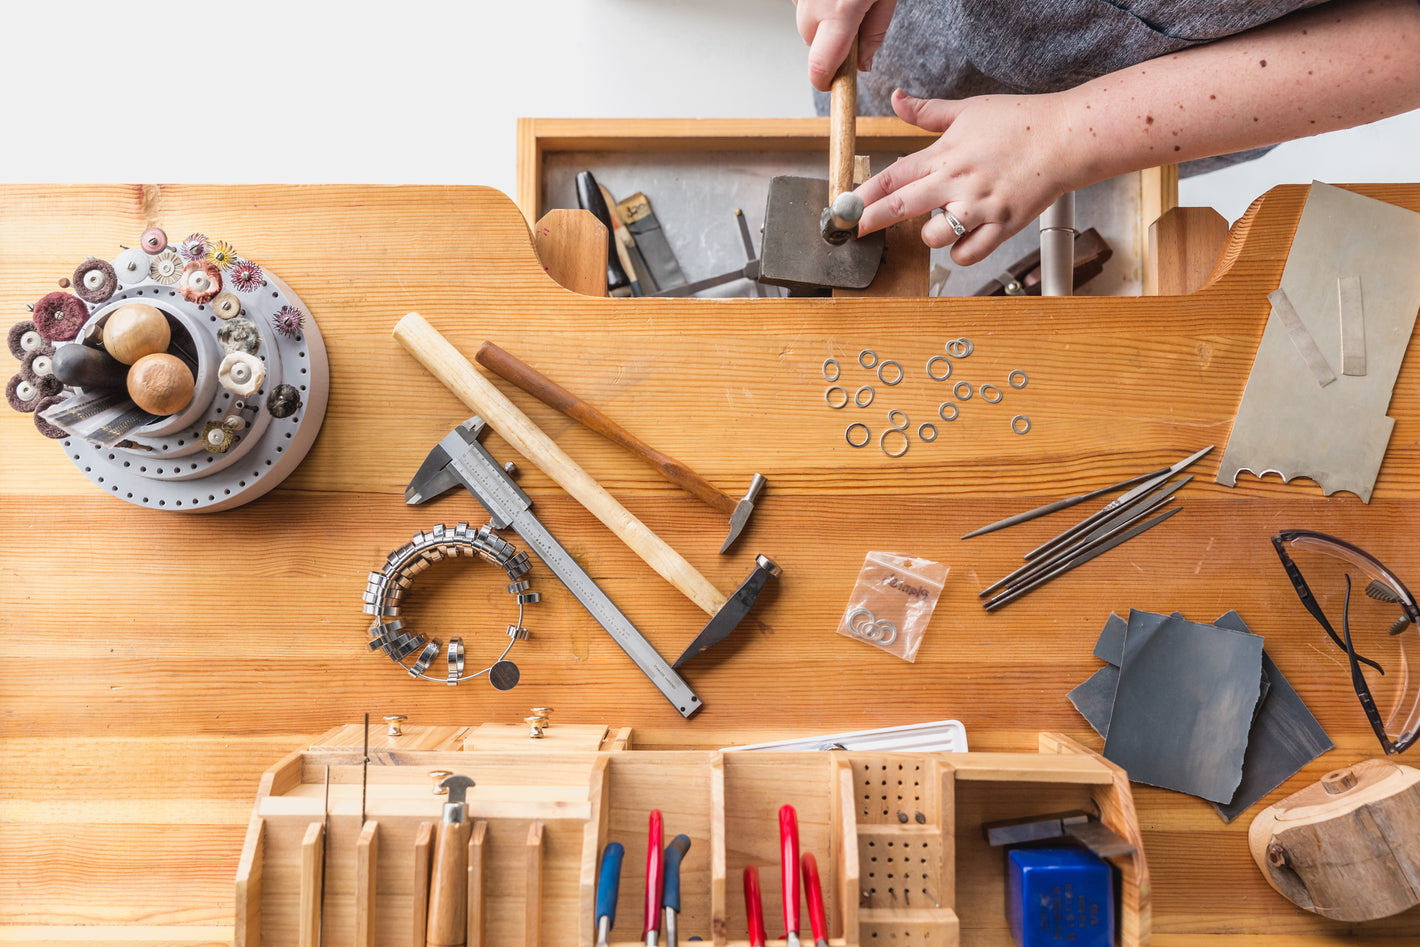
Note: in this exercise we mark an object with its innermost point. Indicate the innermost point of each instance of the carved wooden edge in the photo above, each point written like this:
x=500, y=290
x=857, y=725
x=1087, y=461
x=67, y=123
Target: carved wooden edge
x=1116, y=808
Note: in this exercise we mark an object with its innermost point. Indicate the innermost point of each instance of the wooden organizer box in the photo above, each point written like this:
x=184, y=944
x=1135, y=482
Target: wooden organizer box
x=897, y=836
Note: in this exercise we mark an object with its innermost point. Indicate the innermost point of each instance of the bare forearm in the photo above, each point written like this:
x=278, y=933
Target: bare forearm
x=1331, y=67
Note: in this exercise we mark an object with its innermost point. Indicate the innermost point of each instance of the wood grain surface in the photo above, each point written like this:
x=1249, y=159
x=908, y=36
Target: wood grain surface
x=156, y=663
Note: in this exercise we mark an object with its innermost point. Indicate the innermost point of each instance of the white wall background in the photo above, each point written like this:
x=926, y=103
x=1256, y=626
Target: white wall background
x=429, y=92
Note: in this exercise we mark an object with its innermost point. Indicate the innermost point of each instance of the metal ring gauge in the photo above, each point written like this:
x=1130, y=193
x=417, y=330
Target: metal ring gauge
x=385, y=589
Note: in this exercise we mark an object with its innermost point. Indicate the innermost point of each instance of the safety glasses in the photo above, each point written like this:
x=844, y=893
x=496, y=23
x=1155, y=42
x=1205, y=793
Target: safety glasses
x=1370, y=615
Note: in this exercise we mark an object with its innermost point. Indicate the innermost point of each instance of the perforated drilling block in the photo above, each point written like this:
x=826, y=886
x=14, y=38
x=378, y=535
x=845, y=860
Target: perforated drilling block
x=1059, y=896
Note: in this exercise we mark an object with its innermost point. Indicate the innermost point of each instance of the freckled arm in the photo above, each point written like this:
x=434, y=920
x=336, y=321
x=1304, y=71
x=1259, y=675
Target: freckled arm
x=1330, y=67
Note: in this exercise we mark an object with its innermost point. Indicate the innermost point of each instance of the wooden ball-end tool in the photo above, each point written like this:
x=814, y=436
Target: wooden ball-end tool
x=544, y=389
x=448, y=887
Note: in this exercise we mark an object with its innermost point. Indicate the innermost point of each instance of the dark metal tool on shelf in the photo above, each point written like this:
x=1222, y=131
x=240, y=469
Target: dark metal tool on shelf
x=448, y=885
x=608, y=884
x=675, y=854
x=638, y=217
x=1084, y=828
x=460, y=460
x=750, y=271
x=547, y=391
x=589, y=198
x=810, y=235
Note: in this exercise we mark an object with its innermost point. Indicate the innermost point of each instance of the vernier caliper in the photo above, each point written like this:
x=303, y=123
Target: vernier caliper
x=460, y=460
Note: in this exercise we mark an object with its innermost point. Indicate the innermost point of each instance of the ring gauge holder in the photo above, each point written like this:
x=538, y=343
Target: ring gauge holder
x=259, y=367
x=385, y=589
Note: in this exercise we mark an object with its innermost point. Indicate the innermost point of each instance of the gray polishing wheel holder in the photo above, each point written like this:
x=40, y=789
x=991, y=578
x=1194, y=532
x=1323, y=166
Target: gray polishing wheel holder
x=168, y=465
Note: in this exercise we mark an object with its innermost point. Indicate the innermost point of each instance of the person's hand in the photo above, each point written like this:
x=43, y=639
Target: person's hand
x=828, y=26
x=1000, y=161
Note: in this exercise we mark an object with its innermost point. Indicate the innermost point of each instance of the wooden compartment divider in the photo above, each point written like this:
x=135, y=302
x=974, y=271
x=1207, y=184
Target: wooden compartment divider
x=897, y=837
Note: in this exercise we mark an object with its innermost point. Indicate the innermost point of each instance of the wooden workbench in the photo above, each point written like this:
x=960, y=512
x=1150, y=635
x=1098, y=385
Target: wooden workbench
x=155, y=663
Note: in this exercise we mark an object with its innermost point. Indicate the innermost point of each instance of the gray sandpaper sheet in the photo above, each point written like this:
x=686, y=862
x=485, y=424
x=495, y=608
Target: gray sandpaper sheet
x=1184, y=705
x=1285, y=737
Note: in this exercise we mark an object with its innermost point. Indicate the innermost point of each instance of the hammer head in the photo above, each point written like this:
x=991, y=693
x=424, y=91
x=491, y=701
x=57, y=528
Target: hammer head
x=795, y=253
x=728, y=618
x=740, y=515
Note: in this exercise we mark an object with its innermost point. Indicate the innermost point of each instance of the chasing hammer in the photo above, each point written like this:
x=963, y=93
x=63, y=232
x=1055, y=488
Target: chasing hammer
x=496, y=360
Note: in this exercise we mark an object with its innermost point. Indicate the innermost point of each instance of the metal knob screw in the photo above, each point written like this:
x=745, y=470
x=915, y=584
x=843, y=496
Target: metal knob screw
x=537, y=724
x=439, y=775
x=394, y=722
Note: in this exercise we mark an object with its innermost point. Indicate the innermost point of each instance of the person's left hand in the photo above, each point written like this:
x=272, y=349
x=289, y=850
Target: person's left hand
x=1000, y=161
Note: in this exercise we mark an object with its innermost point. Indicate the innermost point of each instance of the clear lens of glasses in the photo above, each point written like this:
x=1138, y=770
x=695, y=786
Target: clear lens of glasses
x=1386, y=642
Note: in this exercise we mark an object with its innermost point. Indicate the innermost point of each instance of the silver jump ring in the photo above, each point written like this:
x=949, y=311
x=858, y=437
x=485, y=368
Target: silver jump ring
x=959, y=388
x=1011, y=379
x=832, y=362
x=923, y=430
x=943, y=359
x=906, y=441
x=858, y=396
x=988, y=398
x=866, y=354
x=1016, y=424
x=848, y=434
x=961, y=348
x=942, y=411
x=902, y=425
x=828, y=396
x=884, y=364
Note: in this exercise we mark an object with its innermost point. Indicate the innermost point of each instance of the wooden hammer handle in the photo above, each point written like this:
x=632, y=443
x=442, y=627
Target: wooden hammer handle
x=842, y=124
x=544, y=389
x=446, y=363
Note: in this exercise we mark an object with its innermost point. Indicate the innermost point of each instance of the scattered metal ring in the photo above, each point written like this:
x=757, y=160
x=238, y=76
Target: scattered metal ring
x=906, y=441
x=902, y=425
x=858, y=396
x=828, y=396
x=1011, y=379
x=957, y=389
x=922, y=432
x=900, y=373
x=961, y=348
x=837, y=369
x=944, y=360
x=987, y=398
x=848, y=434
x=866, y=354
x=1018, y=429
x=942, y=411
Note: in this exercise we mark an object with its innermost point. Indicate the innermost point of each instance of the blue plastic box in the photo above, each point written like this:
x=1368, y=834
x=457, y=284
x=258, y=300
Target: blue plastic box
x=1059, y=896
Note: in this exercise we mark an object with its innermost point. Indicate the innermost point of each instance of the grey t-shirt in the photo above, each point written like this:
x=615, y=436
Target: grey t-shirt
x=952, y=49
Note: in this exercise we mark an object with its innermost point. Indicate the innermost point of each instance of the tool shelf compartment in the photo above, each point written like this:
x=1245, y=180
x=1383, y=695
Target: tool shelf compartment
x=696, y=172
x=897, y=837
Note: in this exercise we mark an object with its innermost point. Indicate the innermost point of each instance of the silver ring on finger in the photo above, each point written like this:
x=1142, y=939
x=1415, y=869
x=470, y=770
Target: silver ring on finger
x=957, y=226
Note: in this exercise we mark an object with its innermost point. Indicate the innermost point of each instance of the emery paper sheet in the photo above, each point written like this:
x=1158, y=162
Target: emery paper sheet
x=1336, y=435
x=1184, y=706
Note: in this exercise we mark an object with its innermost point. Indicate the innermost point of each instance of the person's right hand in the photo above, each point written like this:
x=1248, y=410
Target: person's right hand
x=828, y=26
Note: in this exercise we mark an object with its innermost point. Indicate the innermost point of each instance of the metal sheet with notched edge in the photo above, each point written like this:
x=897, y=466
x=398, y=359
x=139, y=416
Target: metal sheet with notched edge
x=1335, y=435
